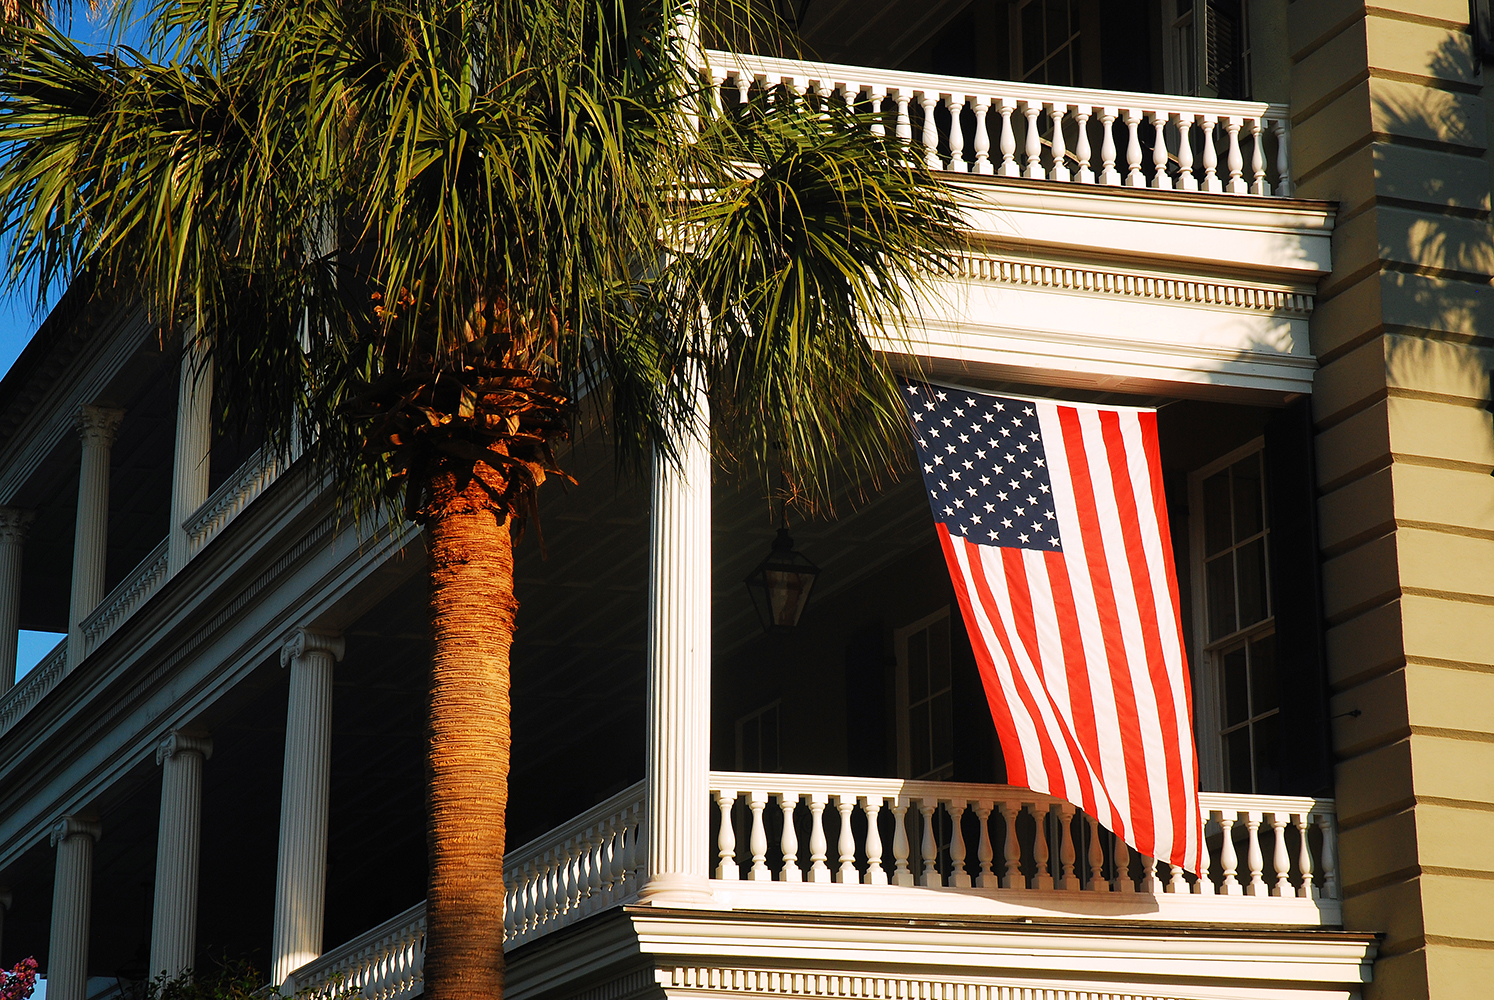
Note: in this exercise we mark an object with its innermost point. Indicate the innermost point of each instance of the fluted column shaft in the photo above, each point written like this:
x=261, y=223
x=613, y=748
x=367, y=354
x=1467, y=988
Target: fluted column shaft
x=194, y=439
x=173, y=924
x=14, y=523
x=679, y=672
x=97, y=426
x=67, y=956
x=301, y=878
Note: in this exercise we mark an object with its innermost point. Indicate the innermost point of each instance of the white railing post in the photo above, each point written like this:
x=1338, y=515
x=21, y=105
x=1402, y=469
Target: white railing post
x=757, y=838
x=788, y=843
x=1043, y=877
x=726, y=838
x=986, y=878
x=818, y=846
x=875, y=874
x=958, y=876
x=902, y=875
x=1060, y=171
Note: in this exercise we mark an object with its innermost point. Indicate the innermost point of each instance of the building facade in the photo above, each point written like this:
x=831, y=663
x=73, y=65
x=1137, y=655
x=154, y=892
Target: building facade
x=1268, y=219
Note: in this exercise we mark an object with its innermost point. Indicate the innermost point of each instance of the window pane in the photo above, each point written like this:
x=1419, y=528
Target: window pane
x=1249, y=517
x=1221, y=596
x=1058, y=23
x=1251, y=561
x=768, y=724
x=1263, y=696
x=938, y=656
x=1032, y=35
x=941, y=718
x=1268, y=755
x=751, y=757
x=1236, y=686
x=1216, y=513
x=918, y=666
x=918, y=740
x=1237, y=760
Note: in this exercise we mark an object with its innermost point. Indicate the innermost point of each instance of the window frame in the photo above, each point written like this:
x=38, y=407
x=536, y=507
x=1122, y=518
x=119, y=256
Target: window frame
x=1208, y=692
x=904, y=702
x=776, y=707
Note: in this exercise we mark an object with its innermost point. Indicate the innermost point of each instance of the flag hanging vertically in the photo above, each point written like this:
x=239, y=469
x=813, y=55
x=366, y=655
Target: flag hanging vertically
x=1054, y=525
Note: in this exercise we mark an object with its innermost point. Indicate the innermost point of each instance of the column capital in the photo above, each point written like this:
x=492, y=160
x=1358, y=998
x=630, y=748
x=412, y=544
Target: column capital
x=15, y=523
x=305, y=640
x=176, y=742
x=98, y=424
x=72, y=826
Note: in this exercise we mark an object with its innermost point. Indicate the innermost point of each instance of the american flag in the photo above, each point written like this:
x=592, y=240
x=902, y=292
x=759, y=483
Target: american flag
x=1054, y=525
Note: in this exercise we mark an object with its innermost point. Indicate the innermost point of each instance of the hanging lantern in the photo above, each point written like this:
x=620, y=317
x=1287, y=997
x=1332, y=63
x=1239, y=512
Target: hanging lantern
x=780, y=585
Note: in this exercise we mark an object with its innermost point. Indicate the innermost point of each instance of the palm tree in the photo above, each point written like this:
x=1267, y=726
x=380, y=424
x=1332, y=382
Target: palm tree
x=419, y=231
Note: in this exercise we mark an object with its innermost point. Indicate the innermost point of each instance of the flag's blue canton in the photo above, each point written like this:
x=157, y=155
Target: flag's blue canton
x=985, y=466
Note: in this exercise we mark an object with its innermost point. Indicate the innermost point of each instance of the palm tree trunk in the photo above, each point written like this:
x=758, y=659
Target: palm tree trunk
x=471, y=565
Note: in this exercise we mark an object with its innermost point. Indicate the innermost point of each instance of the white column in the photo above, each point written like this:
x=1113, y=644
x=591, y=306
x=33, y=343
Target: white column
x=96, y=427
x=67, y=956
x=173, y=925
x=301, y=878
x=679, y=673
x=194, y=438
x=14, y=523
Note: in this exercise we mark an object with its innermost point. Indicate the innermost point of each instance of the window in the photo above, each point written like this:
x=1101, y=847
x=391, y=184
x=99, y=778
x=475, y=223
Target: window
x=926, y=718
x=1045, y=41
x=757, y=739
x=1212, y=36
x=1239, y=708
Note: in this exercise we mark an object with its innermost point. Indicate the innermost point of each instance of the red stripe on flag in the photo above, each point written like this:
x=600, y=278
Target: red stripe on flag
x=1081, y=695
x=1146, y=604
x=1133, y=749
x=1001, y=715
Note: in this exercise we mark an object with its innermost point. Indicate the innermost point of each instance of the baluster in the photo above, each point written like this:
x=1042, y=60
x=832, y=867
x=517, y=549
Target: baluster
x=846, y=844
x=1149, y=883
x=1177, y=883
x=958, y=876
x=1253, y=857
x=1186, y=179
x=930, y=131
x=545, y=905
x=1281, y=862
x=876, y=95
x=1204, y=885
x=1210, y=157
x=1234, y=159
x=744, y=87
x=1258, y=158
x=904, y=127
x=1097, y=881
x=1034, y=145
x=575, y=877
x=1008, y=139
x=607, y=863
x=1228, y=860
x=592, y=882
x=1109, y=176
x=818, y=870
x=1306, y=889
x=789, y=843
x=718, y=81
x=1330, y=856
x=982, y=136
x=622, y=855
x=1122, y=862
x=1081, y=145
x=1161, y=179
x=1011, y=847
x=757, y=840
x=1134, y=177
x=1060, y=171
x=524, y=919
x=726, y=839
x=1043, y=878
x=901, y=875
x=795, y=89
x=1066, y=853
x=929, y=847
x=875, y=874
x=1283, y=159
x=956, y=105
x=985, y=879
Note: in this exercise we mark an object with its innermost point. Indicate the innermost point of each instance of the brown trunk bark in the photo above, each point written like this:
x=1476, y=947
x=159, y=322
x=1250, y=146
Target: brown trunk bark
x=472, y=607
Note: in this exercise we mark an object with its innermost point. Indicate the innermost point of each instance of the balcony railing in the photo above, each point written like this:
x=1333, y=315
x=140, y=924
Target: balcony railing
x=922, y=847
x=252, y=478
x=1270, y=859
x=30, y=689
x=1064, y=134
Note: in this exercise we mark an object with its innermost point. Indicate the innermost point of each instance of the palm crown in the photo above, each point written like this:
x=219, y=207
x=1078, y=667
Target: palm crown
x=420, y=230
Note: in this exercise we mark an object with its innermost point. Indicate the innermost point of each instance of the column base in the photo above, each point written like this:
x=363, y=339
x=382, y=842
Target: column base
x=685, y=891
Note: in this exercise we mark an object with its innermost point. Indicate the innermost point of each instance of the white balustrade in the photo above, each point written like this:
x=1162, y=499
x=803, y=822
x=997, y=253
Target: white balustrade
x=386, y=963
x=252, y=478
x=122, y=601
x=585, y=865
x=29, y=690
x=949, y=835
x=1057, y=129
